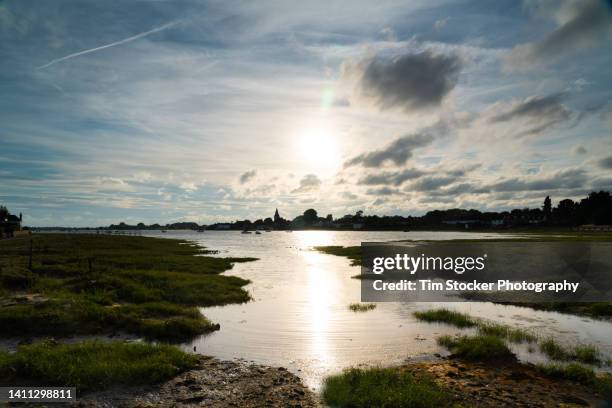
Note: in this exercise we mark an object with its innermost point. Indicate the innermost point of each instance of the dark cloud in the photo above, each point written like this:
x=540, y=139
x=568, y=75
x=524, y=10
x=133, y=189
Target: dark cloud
x=379, y=201
x=382, y=191
x=431, y=183
x=605, y=163
x=412, y=81
x=564, y=179
x=309, y=182
x=538, y=107
x=580, y=150
x=247, y=176
x=454, y=190
x=391, y=178
x=536, y=113
x=588, y=24
x=398, y=152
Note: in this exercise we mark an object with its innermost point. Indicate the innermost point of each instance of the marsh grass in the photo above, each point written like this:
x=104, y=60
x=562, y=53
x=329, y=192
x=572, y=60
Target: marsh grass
x=583, y=353
x=351, y=252
x=92, y=365
x=477, y=348
x=463, y=320
x=99, y=283
x=362, y=307
x=383, y=387
x=447, y=316
x=514, y=335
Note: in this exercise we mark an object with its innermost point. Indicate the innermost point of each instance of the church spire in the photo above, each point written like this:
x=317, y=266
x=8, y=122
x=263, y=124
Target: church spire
x=276, y=216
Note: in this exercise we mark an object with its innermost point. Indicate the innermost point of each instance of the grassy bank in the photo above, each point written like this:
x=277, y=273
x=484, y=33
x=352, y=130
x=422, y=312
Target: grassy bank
x=90, y=284
x=92, y=365
x=582, y=353
x=383, y=387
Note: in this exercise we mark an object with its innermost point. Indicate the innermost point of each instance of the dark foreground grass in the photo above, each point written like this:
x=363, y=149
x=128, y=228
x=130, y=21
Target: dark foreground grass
x=477, y=348
x=578, y=373
x=89, y=284
x=382, y=387
x=92, y=365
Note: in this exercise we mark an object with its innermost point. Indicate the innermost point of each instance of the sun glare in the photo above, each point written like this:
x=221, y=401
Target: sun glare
x=317, y=147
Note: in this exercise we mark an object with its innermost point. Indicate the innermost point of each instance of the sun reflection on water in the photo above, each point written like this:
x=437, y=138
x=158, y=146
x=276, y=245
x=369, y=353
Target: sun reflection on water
x=321, y=287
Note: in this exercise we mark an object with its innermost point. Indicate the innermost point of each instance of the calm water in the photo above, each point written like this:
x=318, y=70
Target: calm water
x=299, y=316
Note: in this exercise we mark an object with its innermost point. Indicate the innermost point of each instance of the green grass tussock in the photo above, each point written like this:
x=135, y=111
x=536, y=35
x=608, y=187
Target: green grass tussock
x=587, y=354
x=446, y=316
x=503, y=331
x=362, y=307
x=477, y=348
x=382, y=387
x=92, y=365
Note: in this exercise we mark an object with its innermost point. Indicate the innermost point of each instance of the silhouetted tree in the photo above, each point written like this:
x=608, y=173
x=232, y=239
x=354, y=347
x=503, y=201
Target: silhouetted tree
x=310, y=216
x=547, y=208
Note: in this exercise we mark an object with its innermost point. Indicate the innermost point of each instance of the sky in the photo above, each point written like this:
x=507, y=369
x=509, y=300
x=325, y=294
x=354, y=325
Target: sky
x=211, y=111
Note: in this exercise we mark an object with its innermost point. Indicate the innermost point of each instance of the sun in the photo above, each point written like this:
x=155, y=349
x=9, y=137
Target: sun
x=316, y=147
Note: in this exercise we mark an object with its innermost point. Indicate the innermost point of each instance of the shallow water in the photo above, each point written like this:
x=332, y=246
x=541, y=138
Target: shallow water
x=299, y=317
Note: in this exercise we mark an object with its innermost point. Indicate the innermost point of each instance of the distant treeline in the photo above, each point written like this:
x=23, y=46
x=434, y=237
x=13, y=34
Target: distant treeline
x=594, y=209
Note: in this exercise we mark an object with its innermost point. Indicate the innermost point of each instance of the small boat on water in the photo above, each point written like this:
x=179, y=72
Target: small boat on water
x=245, y=232
x=257, y=232
x=164, y=231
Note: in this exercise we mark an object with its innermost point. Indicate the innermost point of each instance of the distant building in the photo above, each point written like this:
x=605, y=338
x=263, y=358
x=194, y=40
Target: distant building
x=223, y=226
x=9, y=223
x=277, y=217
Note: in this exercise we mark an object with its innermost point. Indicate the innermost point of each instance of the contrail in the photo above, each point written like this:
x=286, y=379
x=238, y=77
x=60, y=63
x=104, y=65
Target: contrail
x=125, y=40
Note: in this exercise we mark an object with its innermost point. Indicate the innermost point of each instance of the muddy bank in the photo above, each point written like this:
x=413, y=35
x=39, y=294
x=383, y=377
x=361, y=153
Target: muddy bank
x=213, y=383
x=505, y=385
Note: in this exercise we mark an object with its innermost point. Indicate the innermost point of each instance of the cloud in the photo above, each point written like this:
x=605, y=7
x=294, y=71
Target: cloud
x=411, y=81
x=247, y=176
x=347, y=195
x=536, y=107
x=562, y=179
x=605, y=163
x=582, y=24
x=382, y=191
x=580, y=150
x=398, y=152
x=113, y=184
x=309, y=182
x=391, y=178
x=537, y=112
x=430, y=183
